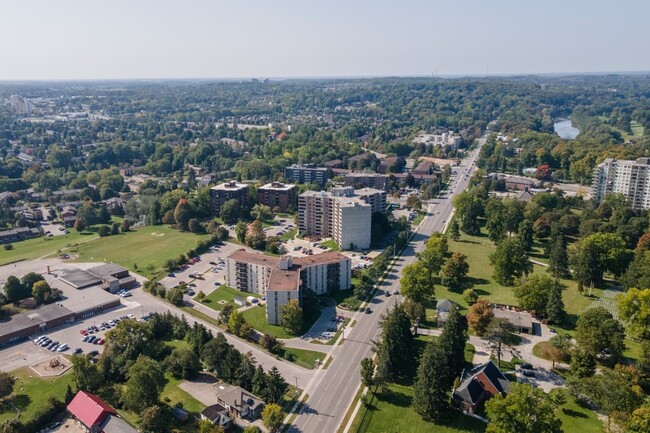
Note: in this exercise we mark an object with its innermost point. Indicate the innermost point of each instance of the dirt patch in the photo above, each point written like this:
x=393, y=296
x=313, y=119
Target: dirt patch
x=55, y=366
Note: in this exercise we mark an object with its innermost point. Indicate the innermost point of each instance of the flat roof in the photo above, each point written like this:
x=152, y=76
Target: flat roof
x=79, y=279
x=277, y=186
x=328, y=257
x=284, y=280
x=106, y=270
x=369, y=191
x=254, y=258
x=229, y=186
x=30, y=318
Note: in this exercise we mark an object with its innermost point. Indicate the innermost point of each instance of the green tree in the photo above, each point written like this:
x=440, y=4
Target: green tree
x=175, y=296
x=639, y=422
x=15, y=290
x=240, y=230
x=416, y=282
x=395, y=350
x=259, y=381
x=153, y=420
x=291, y=317
x=154, y=215
x=44, y=294
x=555, y=306
x=182, y=363
x=470, y=296
x=214, y=353
x=501, y=334
x=638, y=273
x=30, y=279
x=276, y=386
x=413, y=202
x=86, y=375
x=230, y=211
x=431, y=389
x=495, y=213
x=252, y=429
x=206, y=426
x=469, y=208
x=454, y=270
x=583, y=364
x=599, y=253
x=534, y=294
x=272, y=416
x=236, y=322
x=367, y=372
x=525, y=234
x=415, y=310
x=454, y=230
x=255, y=237
x=479, y=317
x=144, y=385
x=182, y=214
x=558, y=261
x=261, y=212
x=634, y=308
x=7, y=383
x=525, y=409
x=597, y=330
x=510, y=261
x=453, y=339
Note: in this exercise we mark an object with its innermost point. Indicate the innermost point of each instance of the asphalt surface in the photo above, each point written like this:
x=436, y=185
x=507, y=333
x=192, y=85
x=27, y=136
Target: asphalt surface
x=331, y=391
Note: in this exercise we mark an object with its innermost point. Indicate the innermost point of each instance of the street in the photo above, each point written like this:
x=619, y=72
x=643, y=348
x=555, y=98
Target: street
x=331, y=391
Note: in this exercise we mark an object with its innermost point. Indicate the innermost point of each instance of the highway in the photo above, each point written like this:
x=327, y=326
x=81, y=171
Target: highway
x=332, y=390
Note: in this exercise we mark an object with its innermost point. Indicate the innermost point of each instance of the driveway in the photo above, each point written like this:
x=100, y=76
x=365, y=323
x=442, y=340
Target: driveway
x=541, y=377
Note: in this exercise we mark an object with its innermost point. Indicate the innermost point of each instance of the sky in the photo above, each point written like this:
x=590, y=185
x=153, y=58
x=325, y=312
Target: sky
x=140, y=39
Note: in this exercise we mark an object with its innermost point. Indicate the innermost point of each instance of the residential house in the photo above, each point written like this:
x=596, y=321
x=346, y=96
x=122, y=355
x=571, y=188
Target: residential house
x=443, y=307
x=481, y=384
x=93, y=415
x=240, y=403
x=522, y=321
x=217, y=415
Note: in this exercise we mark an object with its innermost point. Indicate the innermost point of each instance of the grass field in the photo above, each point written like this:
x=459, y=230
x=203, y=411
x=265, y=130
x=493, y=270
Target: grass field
x=43, y=246
x=637, y=128
x=147, y=248
x=215, y=300
x=302, y=357
x=289, y=235
x=173, y=394
x=331, y=245
x=256, y=316
x=31, y=393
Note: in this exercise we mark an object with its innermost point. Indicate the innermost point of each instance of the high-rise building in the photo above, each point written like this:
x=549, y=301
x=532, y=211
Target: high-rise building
x=343, y=214
x=308, y=173
x=630, y=178
x=277, y=194
x=284, y=279
x=227, y=191
x=21, y=105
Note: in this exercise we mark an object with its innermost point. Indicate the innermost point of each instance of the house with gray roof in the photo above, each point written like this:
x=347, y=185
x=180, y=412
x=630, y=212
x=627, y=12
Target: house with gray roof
x=481, y=384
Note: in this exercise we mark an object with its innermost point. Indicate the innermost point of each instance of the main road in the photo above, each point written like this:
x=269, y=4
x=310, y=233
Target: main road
x=332, y=390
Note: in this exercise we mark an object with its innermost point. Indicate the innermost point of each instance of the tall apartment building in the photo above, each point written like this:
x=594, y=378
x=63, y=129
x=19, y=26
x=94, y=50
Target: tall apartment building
x=21, y=105
x=277, y=194
x=630, y=178
x=231, y=190
x=284, y=279
x=308, y=173
x=366, y=180
x=344, y=214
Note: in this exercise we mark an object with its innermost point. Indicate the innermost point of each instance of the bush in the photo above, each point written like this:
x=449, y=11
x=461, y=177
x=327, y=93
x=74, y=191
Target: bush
x=103, y=231
x=470, y=296
x=8, y=247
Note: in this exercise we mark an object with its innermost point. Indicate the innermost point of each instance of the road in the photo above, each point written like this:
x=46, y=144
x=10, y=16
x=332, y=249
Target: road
x=332, y=390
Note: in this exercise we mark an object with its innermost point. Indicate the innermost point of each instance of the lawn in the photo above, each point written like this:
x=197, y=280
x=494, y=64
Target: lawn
x=256, y=317
x=173, y=394
x=43, y=246
x=331, y=245
x=224, y=295
x=144, y=250
x=289, y=235
x=637, y=128
x=31, y=393
x=303, y=358
x=418, y=218
x=576, y=418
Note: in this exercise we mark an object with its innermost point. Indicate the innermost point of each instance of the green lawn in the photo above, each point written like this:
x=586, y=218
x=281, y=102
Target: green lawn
x=289, y=235
x=576, y=418
x=302, y=357
x=39, y=247
x=331, y=245
x=256, y=317
x=637, y=128
x=147, y=248
x=173, y=394
x=225, y=295
x=418, y=218
x=32, y=392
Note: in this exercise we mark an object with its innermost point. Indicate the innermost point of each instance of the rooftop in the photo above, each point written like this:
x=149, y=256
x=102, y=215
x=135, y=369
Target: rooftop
x=519, y=319
x=89, y=408
x=109, y=269
x=43, y=314
x=328, y=257
x=277, y=186
x=229, y=186
x=79, y=279
x=284, y=280
x=253, y=258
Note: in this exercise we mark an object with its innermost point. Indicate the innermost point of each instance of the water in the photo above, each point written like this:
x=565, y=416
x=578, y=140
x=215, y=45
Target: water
x=565, y=129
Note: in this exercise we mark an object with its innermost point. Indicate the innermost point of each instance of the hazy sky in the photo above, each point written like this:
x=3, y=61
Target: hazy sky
x=71, y=39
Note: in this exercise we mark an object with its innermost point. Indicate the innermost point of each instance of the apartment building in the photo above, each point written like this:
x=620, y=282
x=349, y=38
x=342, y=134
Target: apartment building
x=342, y=214
x=366, y=180
x=277, y=194
x=308, y=173
x=231, y=190
x=630, y=178
x=283, y=279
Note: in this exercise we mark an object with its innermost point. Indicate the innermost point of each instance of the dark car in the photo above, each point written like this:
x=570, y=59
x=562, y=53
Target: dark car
x=529, y=373
x=368, y=310
x=526, y=366
x=93, y=353
x=77, y=350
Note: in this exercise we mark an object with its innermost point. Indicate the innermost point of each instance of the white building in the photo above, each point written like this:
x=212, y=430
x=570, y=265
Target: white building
x=630, y=178
x=284, y=279
x=21, y=105
x=446, y=139
x=344, y=214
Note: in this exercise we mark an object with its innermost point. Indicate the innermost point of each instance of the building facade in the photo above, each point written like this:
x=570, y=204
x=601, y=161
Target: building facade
x=277, y=194
x=308, y=173
x=630, y=178
x=366, y=180
x=231, y=190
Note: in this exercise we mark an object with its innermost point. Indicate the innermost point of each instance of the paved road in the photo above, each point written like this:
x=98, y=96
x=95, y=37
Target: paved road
x=331, y=391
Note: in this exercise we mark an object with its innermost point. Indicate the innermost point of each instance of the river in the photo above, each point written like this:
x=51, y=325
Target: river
x=565, y=129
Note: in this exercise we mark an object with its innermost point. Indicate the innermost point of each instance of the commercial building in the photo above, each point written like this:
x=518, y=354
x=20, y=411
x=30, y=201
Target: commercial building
x=344, y=214
x=277, y=194
x=283, y=279
x=308, y=173
x=366, y=180
x=231, y=190
x=630, y=178
x=110, y=277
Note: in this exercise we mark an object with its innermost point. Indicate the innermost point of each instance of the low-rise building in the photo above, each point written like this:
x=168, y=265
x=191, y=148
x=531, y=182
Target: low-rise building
x=522, y=321
x=217, y=415
x=18, y=234
x=94, y=415
x=240, y=403
x=231, y=190
x=481, y=384
x=110, y=277
x=308, y=173
x=366, y=180
x=278, y=195
x=284, y=279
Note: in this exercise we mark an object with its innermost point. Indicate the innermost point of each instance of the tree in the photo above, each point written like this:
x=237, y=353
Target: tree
x=276, y=386
x=634, y=308
x=246, y=371
x=214, y=353
x=153, y=420
x=240, y=230
x=15, y=290
x=525, y=409
x=453, y=339
x=236, y=322
x=44, y=294
x=525, y=235
x=252, y=429
x=144, y=385
x=182, y=215
x=454, y=230
x=154, y=215
x=479, y=317
x=291, y=317
x=7, y=383
x=261, y=212
x=272, y=416
x=395, y=350
x=255, y=237
x=558, y=261
x=638, y=273
x=599, y=253
x=510, y=261
x=195, y=226
x=469, y=208
x=431, y=389
x=454, y=270
x=639, y=422
x=79, y=225
x=416, y=282
x=226, y=311
x=470, y=296
x=534, y=294
x=597, y=330
x=230, y=211
x=115, y=229
x=183, y=363
x=206, y=426
x=555, y=306
x=103, y=231
x=259, y=381
x=30, y=279
x=583, y=364
x=495, y=213
x=415, y=310
x=86, y=375
x=501, y=334
x=175, y=296
x=367, y=372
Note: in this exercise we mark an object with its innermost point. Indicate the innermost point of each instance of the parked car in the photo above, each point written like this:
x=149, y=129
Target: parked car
x=76, y=351
x=529, y=373
x=93, y=353
x=83, y=332
x=526, y=366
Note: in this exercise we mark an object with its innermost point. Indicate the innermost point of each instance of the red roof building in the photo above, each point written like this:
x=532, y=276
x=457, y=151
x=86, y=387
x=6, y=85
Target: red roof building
x=95, y=415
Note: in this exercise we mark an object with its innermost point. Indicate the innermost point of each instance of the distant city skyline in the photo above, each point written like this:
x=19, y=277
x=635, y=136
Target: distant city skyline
x=202, y=39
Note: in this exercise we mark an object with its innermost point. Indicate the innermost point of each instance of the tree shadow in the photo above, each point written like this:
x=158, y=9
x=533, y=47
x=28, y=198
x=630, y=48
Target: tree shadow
x=21, y=401
x=395, y=398
x=476, y=281
x=573, y=413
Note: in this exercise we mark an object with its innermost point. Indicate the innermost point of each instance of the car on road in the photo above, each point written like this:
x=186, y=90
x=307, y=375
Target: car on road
x=395, y=292
x=368, y=310
x=526, y=366
x=528, y=373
